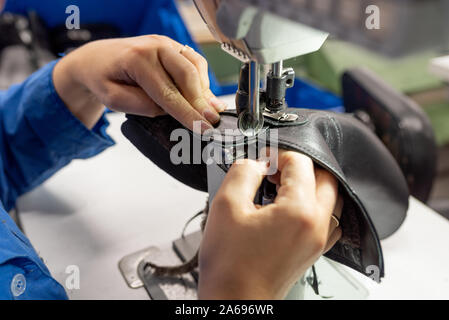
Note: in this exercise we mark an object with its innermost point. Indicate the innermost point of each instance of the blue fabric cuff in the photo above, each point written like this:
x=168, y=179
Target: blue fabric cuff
x=40, y=135
x=57, y=127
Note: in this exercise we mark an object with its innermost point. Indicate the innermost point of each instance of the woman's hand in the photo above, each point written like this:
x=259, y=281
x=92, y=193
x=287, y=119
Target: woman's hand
x=251, y=252
x=148, y=75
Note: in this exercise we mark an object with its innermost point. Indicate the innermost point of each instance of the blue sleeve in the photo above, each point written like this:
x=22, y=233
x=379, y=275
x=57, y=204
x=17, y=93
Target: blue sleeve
x=39, y=135
x=124, y=15
x=23, y=275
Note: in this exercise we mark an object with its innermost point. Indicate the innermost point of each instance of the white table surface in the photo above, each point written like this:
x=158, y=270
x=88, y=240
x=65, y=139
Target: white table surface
x=440, y=67
x=94, y=212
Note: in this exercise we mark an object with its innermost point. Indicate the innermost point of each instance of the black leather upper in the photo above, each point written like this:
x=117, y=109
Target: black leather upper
x=399, y=122
x=374, y=189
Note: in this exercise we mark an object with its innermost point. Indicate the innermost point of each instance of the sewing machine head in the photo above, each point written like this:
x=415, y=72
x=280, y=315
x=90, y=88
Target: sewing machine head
x=257, y=37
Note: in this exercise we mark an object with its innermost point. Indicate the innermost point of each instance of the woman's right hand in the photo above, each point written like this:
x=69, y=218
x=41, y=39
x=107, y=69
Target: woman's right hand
x=253, y=252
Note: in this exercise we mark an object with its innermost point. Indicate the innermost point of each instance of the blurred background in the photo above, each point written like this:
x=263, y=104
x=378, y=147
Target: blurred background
x=34, y=32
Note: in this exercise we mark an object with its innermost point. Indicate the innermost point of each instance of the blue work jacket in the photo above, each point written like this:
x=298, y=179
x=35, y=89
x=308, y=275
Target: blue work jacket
x=38, y=136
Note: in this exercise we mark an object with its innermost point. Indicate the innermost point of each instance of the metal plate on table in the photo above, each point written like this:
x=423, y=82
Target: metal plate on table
x=158, y=288
x=128, y=266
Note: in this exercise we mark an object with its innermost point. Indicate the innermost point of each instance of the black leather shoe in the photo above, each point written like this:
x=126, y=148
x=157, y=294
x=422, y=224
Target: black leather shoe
x=399, y=122
x=374, y=189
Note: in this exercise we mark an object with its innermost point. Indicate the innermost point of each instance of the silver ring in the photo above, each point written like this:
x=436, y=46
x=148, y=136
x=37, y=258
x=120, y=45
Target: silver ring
x=184, y=49
x=337, y=221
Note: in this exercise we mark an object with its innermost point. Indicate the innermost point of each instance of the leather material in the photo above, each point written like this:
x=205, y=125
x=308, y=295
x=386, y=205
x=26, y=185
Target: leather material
x=399, y=122
x=374, y=190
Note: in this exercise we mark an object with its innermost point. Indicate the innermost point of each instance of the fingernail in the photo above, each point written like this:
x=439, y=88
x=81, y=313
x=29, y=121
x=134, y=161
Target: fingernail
x=202, y=128
x=218, y=104
x=264, y=164
x=211, y=115
x=205, y=126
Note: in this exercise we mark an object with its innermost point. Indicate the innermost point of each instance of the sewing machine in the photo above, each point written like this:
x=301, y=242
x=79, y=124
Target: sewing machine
x=71, y=207
x=261, y=32
x=248, y=34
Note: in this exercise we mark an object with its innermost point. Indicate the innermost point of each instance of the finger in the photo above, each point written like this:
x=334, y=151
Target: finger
x=242, y=182
x=335, y=236
x=131, y=99
x=160, y=87
x=218, y=104
x=182, y=71
x=275, y=178
x=326, y=192
x=297, y=177
x=187, y=79
x=337, y=213
x=200, y=63
x=203, y=70
x=270, y=155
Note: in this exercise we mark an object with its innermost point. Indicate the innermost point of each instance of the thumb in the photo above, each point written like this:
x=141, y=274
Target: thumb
x=242, y=182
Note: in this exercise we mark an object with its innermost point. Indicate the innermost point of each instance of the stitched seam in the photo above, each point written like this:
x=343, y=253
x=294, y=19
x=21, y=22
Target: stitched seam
x=338, y=130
